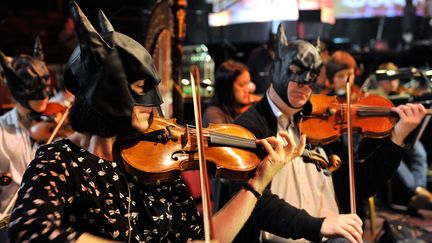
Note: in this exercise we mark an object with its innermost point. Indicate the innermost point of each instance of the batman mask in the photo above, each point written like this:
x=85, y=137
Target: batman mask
x=27, y=76
x=110, y=70
x=299, y=53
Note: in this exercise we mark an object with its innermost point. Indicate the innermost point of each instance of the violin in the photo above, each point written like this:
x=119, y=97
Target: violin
x=173, y=148
x=370, y=115
x=44, y=125
x=231, y=151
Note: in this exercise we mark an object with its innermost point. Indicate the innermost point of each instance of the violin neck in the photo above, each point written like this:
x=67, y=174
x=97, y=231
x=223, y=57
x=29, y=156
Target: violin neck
x=368, y=113
x=233, y=141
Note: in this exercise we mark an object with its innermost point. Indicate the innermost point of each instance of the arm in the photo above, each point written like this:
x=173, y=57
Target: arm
x=38, y=211
x=381, y=164
x=228, y=221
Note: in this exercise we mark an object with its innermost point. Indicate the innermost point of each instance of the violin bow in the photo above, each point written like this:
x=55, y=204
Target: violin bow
x=350, y=148
x=59, y=124
x=205, y=191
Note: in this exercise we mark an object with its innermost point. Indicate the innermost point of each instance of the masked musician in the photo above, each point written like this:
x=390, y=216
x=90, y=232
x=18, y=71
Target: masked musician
x=294, y=72
x=412, y=171
x=28, y=80
x=76, y=189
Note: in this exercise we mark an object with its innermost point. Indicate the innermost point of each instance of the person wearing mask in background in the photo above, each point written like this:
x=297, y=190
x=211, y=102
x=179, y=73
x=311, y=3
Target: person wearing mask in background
x=412, y=171
x=77, y=189
x=294, y=72
x=28, y=80
x=229, y=76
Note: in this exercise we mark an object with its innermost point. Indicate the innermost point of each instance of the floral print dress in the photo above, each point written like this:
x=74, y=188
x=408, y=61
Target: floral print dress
x=67, y=191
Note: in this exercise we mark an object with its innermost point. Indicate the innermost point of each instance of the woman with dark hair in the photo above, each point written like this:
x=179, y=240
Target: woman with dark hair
x=232, y=92
x=77, y=189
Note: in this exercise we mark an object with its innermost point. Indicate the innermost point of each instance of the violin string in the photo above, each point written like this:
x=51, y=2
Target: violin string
x=229, y=139
x=371, y=108
x=238, y=141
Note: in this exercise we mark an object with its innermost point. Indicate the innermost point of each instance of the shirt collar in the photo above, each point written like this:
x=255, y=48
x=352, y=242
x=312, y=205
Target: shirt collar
x=273, y=107
x=12, y=118
x=283, y=120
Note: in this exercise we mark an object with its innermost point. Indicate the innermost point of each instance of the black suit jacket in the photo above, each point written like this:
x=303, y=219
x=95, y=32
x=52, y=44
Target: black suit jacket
x=274, y=215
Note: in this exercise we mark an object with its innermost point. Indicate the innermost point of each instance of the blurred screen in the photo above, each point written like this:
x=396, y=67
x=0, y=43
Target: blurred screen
x=249, y=11
x=227, y=12
x=373, y=8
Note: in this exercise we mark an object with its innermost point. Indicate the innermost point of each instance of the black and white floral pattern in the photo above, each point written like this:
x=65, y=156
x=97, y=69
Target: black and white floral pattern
x=67, y=191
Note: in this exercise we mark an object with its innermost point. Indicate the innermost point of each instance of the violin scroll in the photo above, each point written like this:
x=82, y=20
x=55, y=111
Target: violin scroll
x=330, y=165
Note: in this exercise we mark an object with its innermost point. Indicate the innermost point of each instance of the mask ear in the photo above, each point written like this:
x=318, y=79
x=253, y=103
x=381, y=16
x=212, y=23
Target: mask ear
x=104, y=24
x=93, y=47
x=8, y=70
x=38, y=49
x=282, y=40
x=318, y=44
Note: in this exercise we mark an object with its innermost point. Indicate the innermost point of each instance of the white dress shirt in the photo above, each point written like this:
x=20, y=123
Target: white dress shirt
x=16, y=152
x=300, y=183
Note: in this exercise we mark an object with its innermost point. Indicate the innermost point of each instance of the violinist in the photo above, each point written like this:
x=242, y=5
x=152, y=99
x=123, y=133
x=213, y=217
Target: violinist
x=28, y=80
x=412, y=171
x=340, y=66
x=54, y=123
x=301, y=184
x=77, y=189
x=232, y=93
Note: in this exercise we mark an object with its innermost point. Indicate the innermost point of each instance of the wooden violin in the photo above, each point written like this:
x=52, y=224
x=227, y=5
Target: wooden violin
x=231, y=151
x=46, y=123
x=172, y=148
x=371, y=115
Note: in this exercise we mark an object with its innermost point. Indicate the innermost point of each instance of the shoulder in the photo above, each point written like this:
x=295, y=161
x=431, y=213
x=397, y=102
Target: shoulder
x=213, y=110
x=214, y=114
x=257, y=120
x=53, y=155
x=9, y=118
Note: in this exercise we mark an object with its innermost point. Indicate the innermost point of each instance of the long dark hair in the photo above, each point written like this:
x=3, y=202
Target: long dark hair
x=223, y=97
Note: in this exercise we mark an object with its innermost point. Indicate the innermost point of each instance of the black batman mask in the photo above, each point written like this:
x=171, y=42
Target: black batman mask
x=27, y=76
x=110, y=70
x=300, y=53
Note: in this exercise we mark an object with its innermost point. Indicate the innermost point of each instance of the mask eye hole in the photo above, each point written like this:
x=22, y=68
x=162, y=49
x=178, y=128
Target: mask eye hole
x=138, y=87
x=295, y=69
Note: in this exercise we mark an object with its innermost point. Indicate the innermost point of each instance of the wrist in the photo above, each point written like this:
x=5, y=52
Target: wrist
x=397, y=140
x=251, y=189
x=256, y=185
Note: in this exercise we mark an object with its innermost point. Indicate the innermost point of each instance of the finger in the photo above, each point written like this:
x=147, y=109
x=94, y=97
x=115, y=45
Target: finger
x=353, y=233
x=345, y=234
x=300, y=148
x=400, y=112
x=418, y=109
x=277, y=144
x=358, y=220
x=357, y=227
x=409, y=110
x=288, y=138
x=267, y=146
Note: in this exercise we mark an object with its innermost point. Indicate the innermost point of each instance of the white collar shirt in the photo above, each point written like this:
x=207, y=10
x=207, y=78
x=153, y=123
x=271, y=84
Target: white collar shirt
x=300, y=183
x=16, y=152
